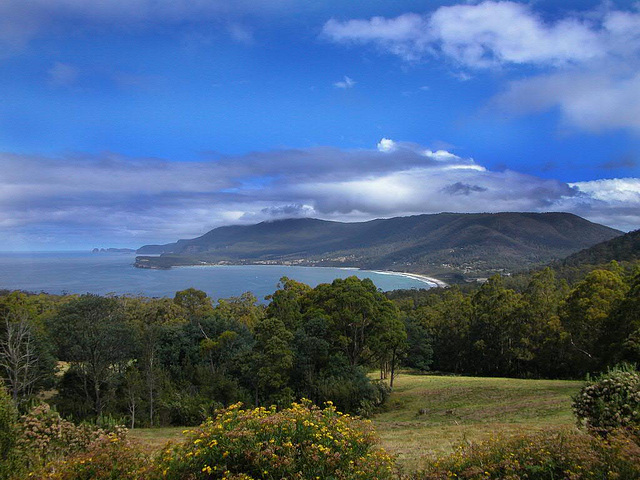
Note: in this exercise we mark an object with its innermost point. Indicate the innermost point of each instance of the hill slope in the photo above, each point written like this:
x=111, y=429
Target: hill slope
x=625, y=248
x=473, y=244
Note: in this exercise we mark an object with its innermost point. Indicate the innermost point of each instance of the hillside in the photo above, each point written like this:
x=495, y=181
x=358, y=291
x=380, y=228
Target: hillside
x=625, y=248
x=469, y=244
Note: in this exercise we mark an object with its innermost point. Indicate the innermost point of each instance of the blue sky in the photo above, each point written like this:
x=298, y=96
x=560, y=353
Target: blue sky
x=137, y=121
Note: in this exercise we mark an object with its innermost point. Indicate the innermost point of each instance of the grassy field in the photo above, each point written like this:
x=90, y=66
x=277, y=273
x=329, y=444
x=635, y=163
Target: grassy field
x=429, y=415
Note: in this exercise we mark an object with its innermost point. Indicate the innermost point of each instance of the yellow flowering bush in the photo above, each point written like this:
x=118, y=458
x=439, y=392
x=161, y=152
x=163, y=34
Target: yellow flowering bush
x=300, y=442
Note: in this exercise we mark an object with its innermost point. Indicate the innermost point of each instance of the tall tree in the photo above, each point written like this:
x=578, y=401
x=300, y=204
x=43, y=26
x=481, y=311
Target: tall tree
x=585, y=313
x=92, y=334
x=357, y=313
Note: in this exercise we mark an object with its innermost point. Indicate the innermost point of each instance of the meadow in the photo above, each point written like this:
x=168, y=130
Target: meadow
x=429, y=415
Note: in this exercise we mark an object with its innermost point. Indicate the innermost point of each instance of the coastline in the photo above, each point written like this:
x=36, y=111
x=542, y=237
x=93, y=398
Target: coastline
x=431, y=281
x=416, y=276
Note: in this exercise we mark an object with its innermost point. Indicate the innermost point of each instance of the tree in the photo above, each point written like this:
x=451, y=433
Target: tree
x=242, y=309
x=91, y=332
x=357, y=313
x=495, y=330
x=25, y=358
x=273, y=360
x=196, y=303
x=149, y=318
x=419, y=352
x=621, y=337
x=287, y=302
x=585, y=312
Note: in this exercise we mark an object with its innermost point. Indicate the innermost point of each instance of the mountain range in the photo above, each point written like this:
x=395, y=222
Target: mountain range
x=446, y=244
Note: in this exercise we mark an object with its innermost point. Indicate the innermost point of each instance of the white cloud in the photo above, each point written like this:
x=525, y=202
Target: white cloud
x=441, y=155
x=588, y=65
x=592, y=101
x=345, y=84
x=482, y=35
x=135, y=201
x=386, y=145
x=403, y=35
x=623, y=190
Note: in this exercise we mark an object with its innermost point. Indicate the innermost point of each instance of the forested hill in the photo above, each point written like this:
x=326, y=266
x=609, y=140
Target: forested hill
x=625, y=248
x=472, y=244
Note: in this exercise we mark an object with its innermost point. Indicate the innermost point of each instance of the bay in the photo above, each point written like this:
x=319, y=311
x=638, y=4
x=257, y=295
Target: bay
x=101, y=273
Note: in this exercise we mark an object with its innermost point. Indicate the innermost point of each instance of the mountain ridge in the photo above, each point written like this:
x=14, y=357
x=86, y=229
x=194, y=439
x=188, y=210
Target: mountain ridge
x=467, y=243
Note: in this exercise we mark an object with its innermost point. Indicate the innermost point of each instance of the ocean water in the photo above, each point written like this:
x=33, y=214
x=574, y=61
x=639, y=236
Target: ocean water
x=102, y=273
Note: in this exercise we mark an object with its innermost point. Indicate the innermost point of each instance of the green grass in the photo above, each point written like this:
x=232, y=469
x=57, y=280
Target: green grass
x=428, y=415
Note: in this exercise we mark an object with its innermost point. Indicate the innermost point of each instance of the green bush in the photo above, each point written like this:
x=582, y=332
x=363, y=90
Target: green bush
x=301, y=442
x=566, y=455
x=610, y=402
x=8, y=433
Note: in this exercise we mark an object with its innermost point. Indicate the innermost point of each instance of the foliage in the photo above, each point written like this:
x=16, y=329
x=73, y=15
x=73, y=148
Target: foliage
x=26, y=359
x=44, y=436
x=111, y=456
x=8, y=434
x=585, y=315
x=542, y=456
x=302, y=442
x=92, y=333
x=610, y=402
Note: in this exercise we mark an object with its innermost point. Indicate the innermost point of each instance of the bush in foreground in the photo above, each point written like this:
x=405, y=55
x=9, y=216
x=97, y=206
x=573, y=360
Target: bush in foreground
x=610, y=402
x=300, y=442
x=566, y=455
x=109, y=457
x=8, y=433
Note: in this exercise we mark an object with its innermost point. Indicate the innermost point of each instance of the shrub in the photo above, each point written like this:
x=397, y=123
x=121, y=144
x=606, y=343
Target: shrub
x=567, y=455
x=610, y=402
x=111, y=456
x=45, y=436
x=301, y=442
x=8, y=433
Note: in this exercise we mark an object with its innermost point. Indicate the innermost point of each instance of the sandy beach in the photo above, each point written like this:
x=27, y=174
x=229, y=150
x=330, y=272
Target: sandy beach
x=416, y=276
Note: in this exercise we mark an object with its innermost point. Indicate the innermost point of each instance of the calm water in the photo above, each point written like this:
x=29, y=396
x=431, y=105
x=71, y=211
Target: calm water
x=85, y=272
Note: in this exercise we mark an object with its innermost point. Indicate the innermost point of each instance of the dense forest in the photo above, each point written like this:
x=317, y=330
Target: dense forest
x=160, y=361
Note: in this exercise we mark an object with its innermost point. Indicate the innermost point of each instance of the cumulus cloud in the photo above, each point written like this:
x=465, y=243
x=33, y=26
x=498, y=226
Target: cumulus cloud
x=345, y=83
x=485, y=34
x=587, y=65
x=386, y=145
x=135, y=201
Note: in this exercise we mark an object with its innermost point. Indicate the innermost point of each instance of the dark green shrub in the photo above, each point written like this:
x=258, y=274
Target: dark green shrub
x=610, y=402
x=8, y=433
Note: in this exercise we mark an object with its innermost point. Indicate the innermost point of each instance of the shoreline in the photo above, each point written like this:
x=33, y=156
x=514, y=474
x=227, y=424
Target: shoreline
x=433, y=282
x=415, y=276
